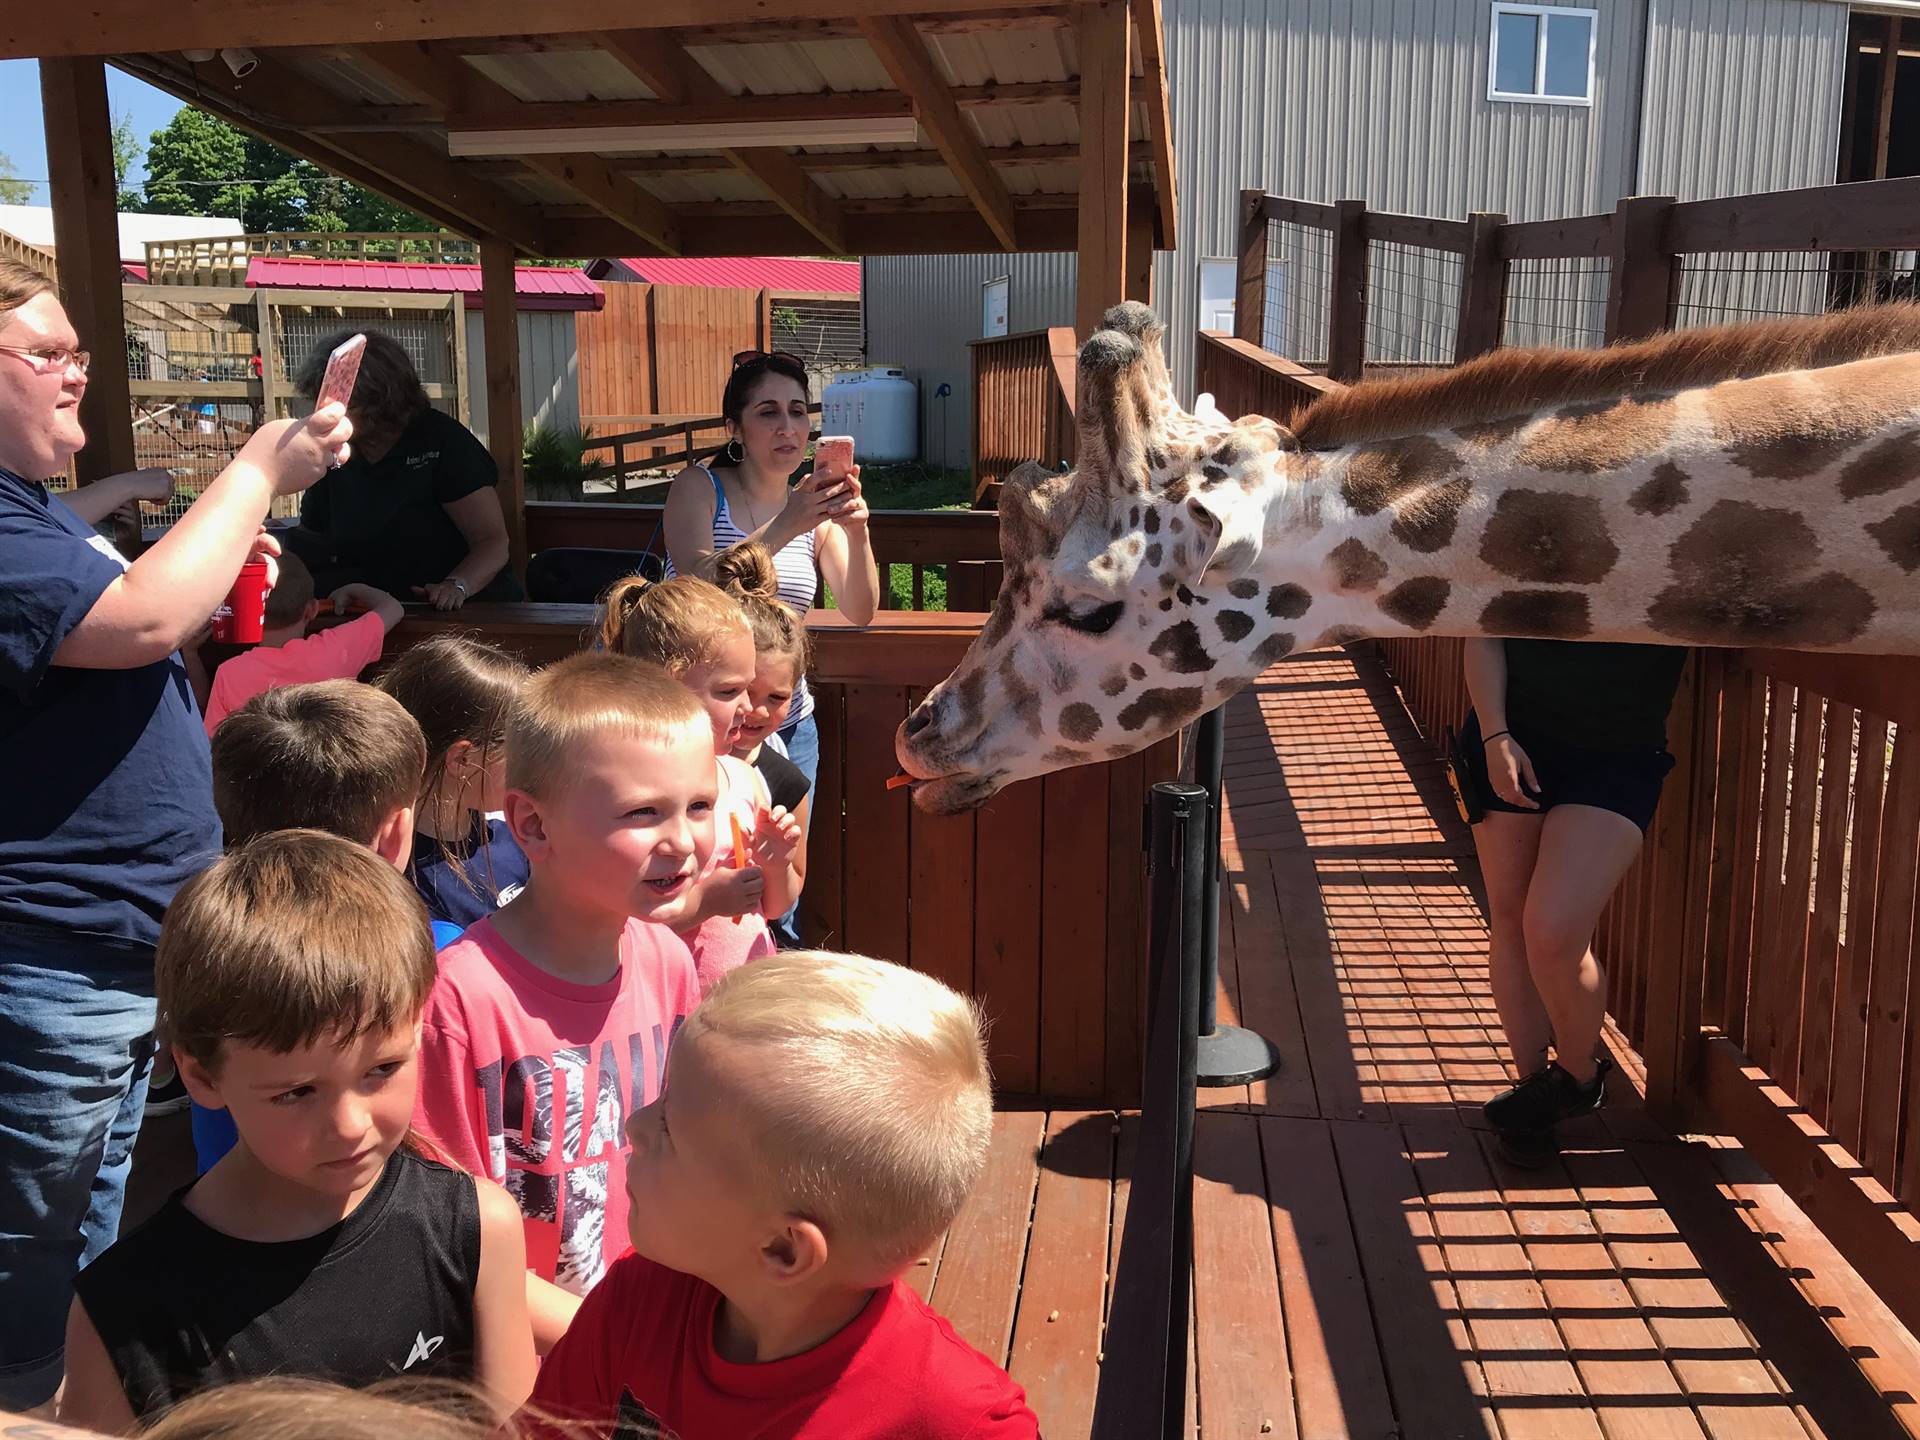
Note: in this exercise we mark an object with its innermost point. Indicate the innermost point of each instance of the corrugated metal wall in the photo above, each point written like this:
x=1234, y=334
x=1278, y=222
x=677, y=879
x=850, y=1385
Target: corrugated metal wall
x=549, y=369
x=1386, y=101
x=921, y=310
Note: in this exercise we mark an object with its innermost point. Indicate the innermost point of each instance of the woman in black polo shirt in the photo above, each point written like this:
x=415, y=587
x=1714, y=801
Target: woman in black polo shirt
x=1566, y=751
x=414, y=512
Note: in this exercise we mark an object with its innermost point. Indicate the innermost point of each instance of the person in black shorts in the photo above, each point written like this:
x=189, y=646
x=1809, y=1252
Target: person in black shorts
x=1565, y=752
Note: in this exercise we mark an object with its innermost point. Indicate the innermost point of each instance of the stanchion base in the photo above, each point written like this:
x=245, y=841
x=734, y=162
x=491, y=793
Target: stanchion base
x=1232, y=1056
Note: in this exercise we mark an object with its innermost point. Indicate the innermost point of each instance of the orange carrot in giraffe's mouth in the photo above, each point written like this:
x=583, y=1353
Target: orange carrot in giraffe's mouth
x=898, y=780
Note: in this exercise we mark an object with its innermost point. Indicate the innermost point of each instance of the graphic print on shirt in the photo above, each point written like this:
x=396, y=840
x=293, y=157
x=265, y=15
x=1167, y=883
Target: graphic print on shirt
x=523, y=1098
x=636, y=1422
x=423, y=1348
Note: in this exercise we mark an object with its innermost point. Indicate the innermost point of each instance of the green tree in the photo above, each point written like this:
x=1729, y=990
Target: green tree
x=13, y=190
x=198, y=164
x=126, y=149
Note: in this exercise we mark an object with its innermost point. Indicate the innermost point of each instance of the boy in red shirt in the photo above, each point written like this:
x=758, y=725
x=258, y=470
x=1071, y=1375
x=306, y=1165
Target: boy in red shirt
x=550, y=1022
x=287, y=655
x=825, y=1119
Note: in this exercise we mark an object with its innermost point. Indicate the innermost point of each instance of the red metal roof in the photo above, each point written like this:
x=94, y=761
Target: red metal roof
x=753, y=272
x=538, y=287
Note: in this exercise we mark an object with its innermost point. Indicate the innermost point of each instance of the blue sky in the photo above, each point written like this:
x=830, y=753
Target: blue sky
x=23, y=136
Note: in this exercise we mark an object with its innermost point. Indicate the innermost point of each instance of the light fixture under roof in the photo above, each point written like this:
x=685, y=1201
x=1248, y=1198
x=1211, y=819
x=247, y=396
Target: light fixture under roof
x=744, y=134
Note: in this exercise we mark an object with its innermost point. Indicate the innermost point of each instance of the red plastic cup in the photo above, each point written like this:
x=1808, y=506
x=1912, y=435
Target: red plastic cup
x=242, y=620
x=833, y=456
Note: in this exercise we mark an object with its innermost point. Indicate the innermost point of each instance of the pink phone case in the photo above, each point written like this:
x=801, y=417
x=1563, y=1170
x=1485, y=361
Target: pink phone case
x=343, y=368
x=833, y=455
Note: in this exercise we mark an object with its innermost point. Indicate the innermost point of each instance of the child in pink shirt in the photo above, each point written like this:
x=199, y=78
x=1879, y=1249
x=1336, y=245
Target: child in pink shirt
x=700, y=635
x=287, y=655
x=550, y=1023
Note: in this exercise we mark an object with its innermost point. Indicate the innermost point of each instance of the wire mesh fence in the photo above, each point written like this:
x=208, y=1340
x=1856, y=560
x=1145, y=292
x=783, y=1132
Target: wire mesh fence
x=426, y=335
x=1556, y=302
x=1299, y=291
x=1725, y=287
x=1413, y=305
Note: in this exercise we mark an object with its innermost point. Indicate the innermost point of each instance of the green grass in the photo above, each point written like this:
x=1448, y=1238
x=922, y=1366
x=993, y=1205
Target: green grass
x=916, y=487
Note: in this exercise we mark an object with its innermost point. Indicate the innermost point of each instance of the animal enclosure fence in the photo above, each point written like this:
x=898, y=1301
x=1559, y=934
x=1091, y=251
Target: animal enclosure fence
x=1762, y=953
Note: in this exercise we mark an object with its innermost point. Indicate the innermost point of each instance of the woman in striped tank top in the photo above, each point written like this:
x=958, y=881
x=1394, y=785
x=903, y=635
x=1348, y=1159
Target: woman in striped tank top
x=742, y=493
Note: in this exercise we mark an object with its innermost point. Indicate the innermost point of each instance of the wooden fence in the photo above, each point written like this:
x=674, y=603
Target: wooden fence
x=1036, y=904
x=1761, y=954
x=659, y=350
x=222, y=259
x=1023, y=397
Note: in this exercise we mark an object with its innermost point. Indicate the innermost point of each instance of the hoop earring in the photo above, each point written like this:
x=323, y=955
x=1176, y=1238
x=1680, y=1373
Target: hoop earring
x=734, y=453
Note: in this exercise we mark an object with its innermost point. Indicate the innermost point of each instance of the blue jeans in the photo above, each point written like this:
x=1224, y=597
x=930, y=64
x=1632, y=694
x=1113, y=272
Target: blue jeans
x=802, y=739
x=76, y=1043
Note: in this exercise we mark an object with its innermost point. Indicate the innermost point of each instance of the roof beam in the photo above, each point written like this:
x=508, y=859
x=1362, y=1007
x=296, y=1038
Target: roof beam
x=1146, y=21
x=450, y=82
x=118, y=26
x=911, y=64
x=662, y=64
x=771, y=32
x=405, y=171
x=1139, y=153
x=911, y=233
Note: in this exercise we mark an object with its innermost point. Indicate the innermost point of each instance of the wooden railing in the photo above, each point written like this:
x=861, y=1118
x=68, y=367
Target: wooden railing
x=660, y=443
x=965, y=542
x=1246, y=380
x=1023, y=397
x=1036, y=904
x=1762, y=954
x=222, y=259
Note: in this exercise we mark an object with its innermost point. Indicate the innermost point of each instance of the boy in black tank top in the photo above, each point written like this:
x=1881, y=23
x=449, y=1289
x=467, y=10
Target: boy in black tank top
x=292, y=977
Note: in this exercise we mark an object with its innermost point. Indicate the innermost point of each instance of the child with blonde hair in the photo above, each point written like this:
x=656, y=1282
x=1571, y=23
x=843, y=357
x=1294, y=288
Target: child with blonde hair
x=550, y=1023
x=781, y=651
x=465, y=862
x=823, y=1121
x=292, y=976
x=701, y=637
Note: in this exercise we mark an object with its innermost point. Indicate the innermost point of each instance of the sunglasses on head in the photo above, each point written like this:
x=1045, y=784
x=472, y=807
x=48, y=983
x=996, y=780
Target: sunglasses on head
x=747, y=357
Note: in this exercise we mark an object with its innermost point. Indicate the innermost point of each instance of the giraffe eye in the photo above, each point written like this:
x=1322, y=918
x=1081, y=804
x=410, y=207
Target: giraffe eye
x=1097, y=621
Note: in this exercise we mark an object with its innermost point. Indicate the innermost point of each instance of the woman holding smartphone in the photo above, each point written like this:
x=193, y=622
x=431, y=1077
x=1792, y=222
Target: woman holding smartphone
x=815, y=528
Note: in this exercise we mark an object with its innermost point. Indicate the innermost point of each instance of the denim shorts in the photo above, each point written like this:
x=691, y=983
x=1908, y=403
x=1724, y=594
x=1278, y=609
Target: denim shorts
x=76, y=1044
x=1627, y=782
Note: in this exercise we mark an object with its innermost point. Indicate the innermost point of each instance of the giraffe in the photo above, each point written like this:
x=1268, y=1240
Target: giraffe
x=1745, y=485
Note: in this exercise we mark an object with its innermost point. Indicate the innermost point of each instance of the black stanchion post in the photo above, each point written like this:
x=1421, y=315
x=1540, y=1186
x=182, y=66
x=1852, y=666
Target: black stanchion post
x=1228, y=1055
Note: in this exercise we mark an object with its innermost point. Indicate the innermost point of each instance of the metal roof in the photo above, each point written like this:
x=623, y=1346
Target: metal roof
x=756, y=272
x=538, y=287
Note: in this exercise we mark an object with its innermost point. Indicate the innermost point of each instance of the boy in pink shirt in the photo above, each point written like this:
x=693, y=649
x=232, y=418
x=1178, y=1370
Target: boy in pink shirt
x=287, y=655
x=550, y=1023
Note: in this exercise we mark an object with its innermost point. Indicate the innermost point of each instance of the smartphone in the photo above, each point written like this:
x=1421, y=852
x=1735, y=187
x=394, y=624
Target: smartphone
x=833, y=457
x=343, y=368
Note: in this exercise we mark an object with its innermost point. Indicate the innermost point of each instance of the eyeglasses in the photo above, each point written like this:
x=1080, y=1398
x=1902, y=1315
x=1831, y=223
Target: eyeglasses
x=51, y=357
x=747, y=357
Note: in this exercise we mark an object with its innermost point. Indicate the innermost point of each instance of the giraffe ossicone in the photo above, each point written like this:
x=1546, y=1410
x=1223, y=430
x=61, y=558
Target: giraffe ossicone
x=1746, y=485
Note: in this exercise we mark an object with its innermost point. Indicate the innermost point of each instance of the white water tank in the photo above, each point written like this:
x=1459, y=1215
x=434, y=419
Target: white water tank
x=880, y=408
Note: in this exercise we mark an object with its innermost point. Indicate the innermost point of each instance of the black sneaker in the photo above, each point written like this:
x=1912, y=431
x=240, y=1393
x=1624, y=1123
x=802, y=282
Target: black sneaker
x=1527, y=1149
x=1547, y=1096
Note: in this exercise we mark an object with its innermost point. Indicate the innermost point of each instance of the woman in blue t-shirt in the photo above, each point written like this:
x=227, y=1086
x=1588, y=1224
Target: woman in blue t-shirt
x=109, y=804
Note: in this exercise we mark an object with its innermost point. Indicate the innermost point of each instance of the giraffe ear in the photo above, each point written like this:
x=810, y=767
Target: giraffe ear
x=1230, y=530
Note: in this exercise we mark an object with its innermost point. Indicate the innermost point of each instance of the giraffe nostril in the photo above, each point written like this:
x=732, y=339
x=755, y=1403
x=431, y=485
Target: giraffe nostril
x=919, y=720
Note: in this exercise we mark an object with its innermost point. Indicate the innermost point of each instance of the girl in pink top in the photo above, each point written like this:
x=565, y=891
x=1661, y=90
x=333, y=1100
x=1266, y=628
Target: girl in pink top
x=701, y=637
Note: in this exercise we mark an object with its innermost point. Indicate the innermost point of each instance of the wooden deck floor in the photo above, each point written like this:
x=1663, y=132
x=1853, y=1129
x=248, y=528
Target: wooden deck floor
x=1366, y=1265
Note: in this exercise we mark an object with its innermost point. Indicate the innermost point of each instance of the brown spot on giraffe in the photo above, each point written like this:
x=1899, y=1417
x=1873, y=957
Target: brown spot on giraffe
x=1746, y=574
x=1177, y=526
x=1152, y=521
x=1137, y=670
x=1064, y=755
x=1787, y=427
x=1161, y=708
x=1339, y=635
x=1062, y=676
x=1355, y=567
x=1899, y=536
x=1492, y=434
x=1234, y=625
x=1882, y=467
x=1549, y=538
x=1180, y=648
x=1424, y=522
x=1288, y=602
x=1587, y=439
x=1113, y=684
x=1380, y=475
x=1416, y=603
x=1155, y=554
x=1022, y=699
x=1276, y=646
x=1243, y=588
x=1134, y=544
x=1540, y=614
x=1661, y=493
x=1079, y=722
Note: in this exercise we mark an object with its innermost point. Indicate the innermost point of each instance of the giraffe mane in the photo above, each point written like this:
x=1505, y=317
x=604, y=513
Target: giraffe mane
x=1508, y=384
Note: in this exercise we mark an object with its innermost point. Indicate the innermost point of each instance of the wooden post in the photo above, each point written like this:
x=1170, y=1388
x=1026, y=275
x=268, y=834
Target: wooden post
x=502, y=328
x=462, y=380
x=1347, y=314
x=1105, y=98
x=763, y=321
x=1646, y=274
x=269, y=372
x=1883, y=122
x=1679, y=855
x=1250, y=288
x=1483, y=288
x=86, y=238
x=1140, y=221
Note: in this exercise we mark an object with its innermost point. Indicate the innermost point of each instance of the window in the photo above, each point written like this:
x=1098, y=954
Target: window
x=993, y=307
x=1542, y=53
x=1220, y=287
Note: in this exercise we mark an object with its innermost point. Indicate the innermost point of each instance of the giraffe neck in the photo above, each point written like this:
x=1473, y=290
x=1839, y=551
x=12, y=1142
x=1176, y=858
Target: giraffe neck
x=1537, y=528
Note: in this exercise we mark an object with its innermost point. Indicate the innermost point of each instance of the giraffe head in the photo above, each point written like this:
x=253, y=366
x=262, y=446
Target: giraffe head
x=1129, y=606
